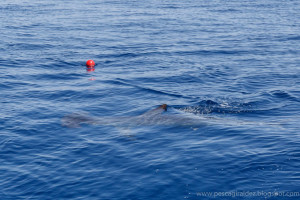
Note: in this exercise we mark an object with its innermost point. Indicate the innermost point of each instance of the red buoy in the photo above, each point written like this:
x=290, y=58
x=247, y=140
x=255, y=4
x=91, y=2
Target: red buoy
x=90, y=63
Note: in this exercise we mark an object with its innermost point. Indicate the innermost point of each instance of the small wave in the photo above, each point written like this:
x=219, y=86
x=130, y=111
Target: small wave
x=228, y=10
x=210, y=106
x=152, y=90
x=56, y=76
x=294, y=38
x=283, y=95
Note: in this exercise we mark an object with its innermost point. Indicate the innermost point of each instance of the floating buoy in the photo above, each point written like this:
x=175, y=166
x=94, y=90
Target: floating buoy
x=90, y=63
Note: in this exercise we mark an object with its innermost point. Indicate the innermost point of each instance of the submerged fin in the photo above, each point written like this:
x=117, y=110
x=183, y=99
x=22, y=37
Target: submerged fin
x=126, y=132
x=75, y=119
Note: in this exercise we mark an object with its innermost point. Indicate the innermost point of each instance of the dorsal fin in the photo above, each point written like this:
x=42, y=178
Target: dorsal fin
x=163, y=106
x=157, y=110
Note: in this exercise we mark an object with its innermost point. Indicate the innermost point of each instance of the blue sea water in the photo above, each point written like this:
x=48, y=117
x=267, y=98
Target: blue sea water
x=235, y=61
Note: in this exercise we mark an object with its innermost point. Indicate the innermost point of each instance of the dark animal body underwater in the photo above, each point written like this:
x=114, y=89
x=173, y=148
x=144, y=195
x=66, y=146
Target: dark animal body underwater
x=159, y=116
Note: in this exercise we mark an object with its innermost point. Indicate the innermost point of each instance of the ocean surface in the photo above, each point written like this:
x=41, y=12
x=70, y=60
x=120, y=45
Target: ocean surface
x=229, y=68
